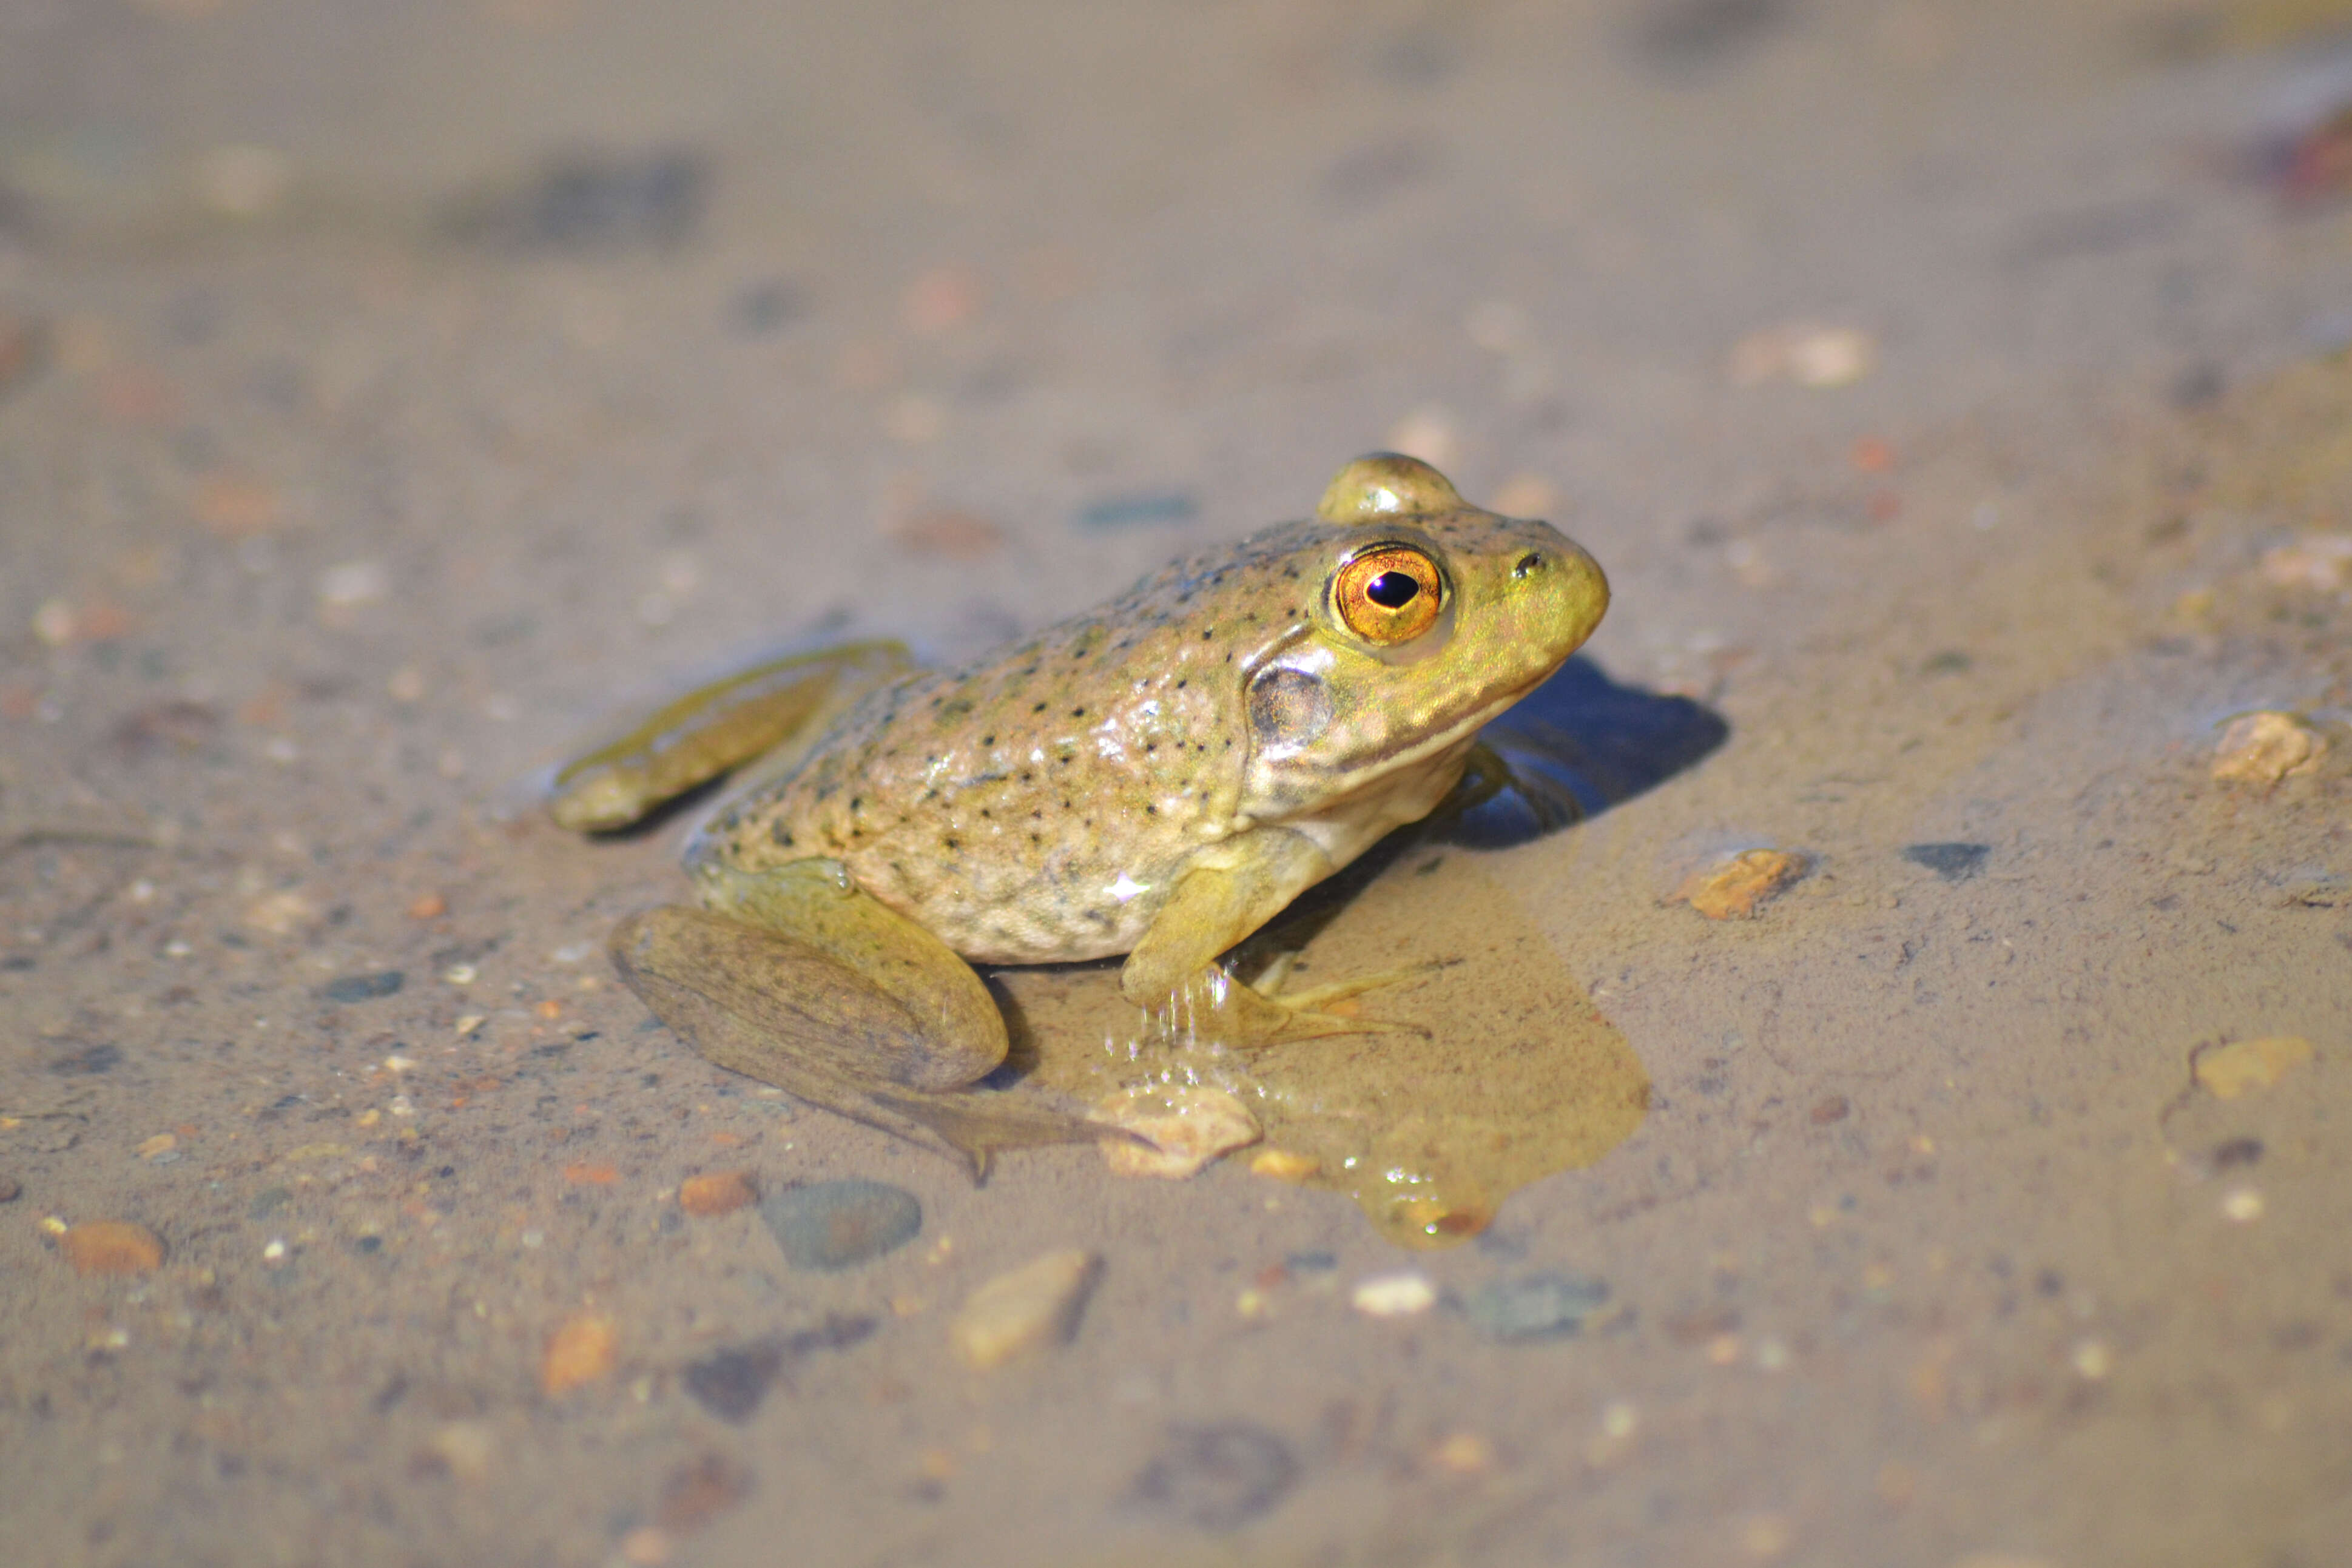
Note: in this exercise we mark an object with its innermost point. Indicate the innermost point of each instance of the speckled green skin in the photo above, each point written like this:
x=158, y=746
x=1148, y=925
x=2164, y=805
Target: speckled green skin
x=1041, y=804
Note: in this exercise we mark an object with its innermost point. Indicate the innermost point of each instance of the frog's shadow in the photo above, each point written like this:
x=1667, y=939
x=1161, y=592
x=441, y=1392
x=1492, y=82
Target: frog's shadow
x=1574, y=747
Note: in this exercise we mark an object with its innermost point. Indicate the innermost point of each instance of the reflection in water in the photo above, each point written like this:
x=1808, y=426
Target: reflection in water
x=1495, y=1070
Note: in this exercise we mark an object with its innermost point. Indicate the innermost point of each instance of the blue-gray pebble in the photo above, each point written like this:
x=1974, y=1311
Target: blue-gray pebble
x=1534, y=1306
x=833, y=1224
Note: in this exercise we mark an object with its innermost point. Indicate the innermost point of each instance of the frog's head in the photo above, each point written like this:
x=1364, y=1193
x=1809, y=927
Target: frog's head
x=1433, y=616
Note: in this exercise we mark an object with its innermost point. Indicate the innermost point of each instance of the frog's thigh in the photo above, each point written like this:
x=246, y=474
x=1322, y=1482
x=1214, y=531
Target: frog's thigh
x=717, y=727
x=819, y=946
x=1221, y=896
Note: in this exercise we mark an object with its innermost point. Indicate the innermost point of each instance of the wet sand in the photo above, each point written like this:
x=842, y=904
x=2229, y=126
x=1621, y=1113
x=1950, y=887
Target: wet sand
x=1954, y=393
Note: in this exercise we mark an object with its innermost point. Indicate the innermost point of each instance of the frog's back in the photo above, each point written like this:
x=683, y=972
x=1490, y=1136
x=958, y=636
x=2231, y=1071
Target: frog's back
x=1033, y=807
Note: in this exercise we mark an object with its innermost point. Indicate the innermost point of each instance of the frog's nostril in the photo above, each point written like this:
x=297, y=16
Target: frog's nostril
x=1531, y=562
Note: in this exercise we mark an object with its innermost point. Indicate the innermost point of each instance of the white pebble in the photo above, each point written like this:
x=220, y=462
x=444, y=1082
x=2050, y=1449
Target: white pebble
x=1400, y=1295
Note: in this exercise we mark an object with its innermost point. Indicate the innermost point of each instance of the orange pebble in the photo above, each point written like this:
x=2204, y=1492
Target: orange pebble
x=549, y=1008
x=431, y=906
x=112, y=1246
x=1873, y=454
x=587, y=1175
x=580, y=1352
x=722, y=1192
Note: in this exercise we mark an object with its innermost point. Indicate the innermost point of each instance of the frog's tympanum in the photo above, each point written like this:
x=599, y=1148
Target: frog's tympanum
x=1158, y=777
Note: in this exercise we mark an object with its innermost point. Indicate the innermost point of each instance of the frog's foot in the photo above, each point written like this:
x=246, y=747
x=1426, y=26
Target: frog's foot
x=713, y=729
x=787, y=1012
x=1214, y=1005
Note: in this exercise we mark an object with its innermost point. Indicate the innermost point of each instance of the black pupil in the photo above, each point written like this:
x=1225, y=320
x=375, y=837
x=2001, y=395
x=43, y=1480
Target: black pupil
x=1391, y=589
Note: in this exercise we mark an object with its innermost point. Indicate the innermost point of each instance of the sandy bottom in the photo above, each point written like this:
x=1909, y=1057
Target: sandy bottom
x=1953, y=392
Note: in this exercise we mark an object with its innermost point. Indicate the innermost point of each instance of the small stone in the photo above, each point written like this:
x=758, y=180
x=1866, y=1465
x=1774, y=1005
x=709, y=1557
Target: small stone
x=731, y=1384
x=1535, y=1306
x=591, y=1173
x=1405, y=1294
x=581, y=1350
x=237, y=506
x=2242, y=1205
x=2319, y=561
x=112, y=1246
x=948, y=531
x=465, y=1449
x=1830, y=357
x=365, y=988
x=1952, y=862
x=1188, y=1125
x=10, y=1191
x=355, y=583
x=1462, y=1453
x=1282, y=1165
x=1833, y=1109
x=1024, y=1308
x=1813, y=356
x=1216, y=1477
x=940, y=299
x=835, y=1224
x=2263, y=747
x=700, y=1490
x=1734, y=889
x=722, y=1192
x=282, y=914
x=2244, y=1066
x=161, y=1144
x=646, y=1546
x=430, y=906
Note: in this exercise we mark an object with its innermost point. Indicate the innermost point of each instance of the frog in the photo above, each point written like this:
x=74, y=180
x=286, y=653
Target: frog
x=1153, y=780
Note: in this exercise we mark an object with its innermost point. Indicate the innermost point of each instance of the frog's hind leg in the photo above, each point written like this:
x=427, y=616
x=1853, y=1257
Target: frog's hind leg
x=759, y=711
x=807, y=983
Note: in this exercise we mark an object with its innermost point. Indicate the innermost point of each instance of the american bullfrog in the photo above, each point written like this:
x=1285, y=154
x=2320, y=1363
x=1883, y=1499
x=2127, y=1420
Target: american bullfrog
x=1157, y=778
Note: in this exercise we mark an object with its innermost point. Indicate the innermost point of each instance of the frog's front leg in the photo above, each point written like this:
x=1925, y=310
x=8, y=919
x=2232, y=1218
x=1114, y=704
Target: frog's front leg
x=1223, y=895
x=800, y=980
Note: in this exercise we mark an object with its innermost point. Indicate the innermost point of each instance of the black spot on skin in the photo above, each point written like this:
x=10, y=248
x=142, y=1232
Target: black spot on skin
x=856, y=801
x=987, y=740
x=781, y=834
x=1152, y=810
x=1078, y=713
x=1039, y=709
x=1208, y=633
x=947, y=844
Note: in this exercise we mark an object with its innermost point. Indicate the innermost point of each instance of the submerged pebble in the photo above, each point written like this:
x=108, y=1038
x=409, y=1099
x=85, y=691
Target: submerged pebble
x=722, y=1192
x=112, y=1246
x=362, y=988
x=2244, y=1066
x=1189, y=1126
x=1534, y=1306
x=731, y=1384
x=1216, y=1477
x=1024, y=1308
x=1736, y=888
x=1952, y=862
x=1401, y=1295
x=836, y=1225
x=2261, y=749
x=581, y=1350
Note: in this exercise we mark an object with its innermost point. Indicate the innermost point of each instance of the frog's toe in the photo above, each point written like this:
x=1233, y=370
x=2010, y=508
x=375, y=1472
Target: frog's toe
x=1215, y=1005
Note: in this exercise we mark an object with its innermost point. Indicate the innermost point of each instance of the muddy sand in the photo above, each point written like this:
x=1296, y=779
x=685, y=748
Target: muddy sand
x=1904, y=1118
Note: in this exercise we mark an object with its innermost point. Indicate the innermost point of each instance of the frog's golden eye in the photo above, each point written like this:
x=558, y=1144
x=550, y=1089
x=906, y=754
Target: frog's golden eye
x=1389, y=594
